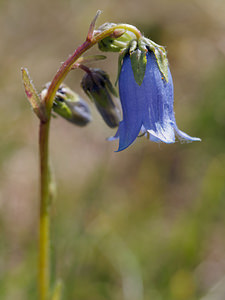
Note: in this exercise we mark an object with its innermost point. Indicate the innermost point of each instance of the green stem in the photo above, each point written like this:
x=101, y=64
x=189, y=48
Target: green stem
x=44, y=225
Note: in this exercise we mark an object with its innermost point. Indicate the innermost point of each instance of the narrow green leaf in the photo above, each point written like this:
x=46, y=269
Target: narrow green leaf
x=30, y=90
x=32, y=95
x=138, y=63
x=91, y=58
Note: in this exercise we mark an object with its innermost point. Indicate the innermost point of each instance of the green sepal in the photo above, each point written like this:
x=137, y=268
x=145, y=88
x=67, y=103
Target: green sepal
x=161, y=56
x=108, y=45
x=138, y=63
x=133, y=46
x=109, y=85
x=62, y=109
x=69, y=105
x=162, y=62
x=137, y=52
x=32, y=96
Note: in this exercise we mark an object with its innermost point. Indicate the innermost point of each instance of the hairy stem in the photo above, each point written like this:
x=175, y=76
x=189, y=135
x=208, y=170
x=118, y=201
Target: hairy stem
x=44, y=225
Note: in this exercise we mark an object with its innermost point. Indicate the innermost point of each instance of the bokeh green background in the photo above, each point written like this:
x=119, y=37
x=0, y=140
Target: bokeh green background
x=144, y=224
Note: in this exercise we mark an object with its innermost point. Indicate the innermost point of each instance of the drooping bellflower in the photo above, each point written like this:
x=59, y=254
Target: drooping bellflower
x=146, y=92
x=147, y=108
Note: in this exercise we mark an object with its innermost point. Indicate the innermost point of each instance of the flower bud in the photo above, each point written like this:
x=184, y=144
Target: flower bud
x=97, y=86
x=70, y=106
x=118, y=41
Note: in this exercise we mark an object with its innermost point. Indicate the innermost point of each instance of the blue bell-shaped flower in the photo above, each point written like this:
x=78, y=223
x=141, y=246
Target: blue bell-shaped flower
x=147, y=108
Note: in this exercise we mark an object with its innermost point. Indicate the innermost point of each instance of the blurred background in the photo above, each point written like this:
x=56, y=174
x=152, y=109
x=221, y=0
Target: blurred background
x=144, y=224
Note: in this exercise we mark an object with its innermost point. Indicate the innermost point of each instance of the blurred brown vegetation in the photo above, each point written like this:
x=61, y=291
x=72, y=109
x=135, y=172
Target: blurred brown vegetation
x=146, y=223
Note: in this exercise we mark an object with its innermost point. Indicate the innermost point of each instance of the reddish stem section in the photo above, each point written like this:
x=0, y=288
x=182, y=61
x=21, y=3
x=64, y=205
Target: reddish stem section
x=63, y=71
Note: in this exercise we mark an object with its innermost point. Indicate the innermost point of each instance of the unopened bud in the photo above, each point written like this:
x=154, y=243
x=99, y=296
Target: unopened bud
x=98, y=87
x=70, y=106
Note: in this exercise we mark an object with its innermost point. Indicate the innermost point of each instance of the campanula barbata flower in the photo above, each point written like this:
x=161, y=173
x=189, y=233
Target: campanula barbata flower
x=147, y=108
x=145, y=90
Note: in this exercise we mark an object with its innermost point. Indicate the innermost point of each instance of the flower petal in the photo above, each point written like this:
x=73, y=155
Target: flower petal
x=182, y=136
x=158, y=113
x=115, y=137
x=131, y=103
